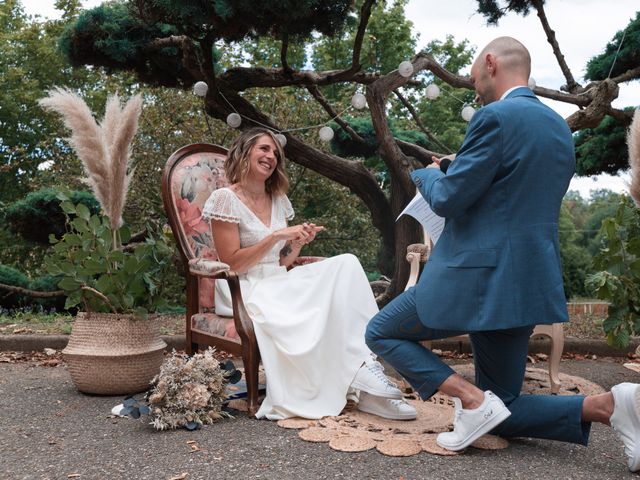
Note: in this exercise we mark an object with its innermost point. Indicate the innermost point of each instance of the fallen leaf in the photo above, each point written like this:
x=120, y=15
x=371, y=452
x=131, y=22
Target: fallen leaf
x=182, y=476
x=632, y=366
x=73, y=475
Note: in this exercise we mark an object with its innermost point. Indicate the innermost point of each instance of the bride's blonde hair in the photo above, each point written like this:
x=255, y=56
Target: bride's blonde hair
x=237, y=164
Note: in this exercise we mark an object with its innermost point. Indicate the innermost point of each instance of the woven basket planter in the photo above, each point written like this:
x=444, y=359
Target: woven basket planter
x=110, y=354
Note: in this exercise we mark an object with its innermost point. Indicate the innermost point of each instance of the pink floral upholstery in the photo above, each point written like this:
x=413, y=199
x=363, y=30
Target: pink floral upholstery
x=192, y=182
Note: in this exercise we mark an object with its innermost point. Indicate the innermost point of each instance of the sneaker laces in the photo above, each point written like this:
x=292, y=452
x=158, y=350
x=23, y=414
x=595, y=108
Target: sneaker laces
x=377, y=369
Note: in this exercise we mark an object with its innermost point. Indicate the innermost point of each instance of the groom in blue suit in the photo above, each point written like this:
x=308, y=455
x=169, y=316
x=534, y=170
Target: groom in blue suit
x=495, y=272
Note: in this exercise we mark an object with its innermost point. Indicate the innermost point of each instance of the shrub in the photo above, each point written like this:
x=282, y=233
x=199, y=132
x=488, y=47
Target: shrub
x=12, y=277
x=39, y=214
x=618, y=280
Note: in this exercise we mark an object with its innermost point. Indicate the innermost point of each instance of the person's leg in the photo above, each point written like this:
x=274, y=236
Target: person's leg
x=395, y=333
x=500, y=359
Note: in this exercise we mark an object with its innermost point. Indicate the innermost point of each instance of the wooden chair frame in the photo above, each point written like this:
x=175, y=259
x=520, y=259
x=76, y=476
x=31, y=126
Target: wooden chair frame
x=247, y=346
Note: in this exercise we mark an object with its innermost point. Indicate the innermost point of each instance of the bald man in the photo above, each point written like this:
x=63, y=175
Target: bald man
x=495, y=272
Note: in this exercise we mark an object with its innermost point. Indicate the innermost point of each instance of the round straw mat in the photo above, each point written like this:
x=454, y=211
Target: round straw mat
x=356, y=431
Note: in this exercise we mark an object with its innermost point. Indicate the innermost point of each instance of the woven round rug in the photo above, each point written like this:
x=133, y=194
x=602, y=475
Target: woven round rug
x=356, y=431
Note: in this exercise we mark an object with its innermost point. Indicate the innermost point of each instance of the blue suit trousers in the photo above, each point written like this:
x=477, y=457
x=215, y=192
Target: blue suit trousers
x=500, y=358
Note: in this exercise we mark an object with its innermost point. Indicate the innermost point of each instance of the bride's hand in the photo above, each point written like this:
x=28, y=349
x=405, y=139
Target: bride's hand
x=312, y=229
x=293, y=233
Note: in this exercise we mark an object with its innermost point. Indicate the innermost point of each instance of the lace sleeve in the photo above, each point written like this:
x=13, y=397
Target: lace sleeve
x=286, y=207
x=221, y=205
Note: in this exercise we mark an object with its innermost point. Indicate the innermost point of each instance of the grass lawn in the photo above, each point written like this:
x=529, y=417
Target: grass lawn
x=42, y=323
x=583, y=325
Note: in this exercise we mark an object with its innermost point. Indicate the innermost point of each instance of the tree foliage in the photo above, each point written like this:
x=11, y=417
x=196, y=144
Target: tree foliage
x=29, y=65
x=602, y=149
x=620, y=55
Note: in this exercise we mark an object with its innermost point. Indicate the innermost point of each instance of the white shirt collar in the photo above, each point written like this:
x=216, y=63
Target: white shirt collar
x=504, y=95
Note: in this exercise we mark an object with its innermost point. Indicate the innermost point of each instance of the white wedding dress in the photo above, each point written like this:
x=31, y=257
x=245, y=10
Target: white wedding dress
x=309, y=321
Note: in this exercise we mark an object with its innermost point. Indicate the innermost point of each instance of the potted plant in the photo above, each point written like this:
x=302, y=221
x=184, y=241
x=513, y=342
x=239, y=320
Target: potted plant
x=114, y=347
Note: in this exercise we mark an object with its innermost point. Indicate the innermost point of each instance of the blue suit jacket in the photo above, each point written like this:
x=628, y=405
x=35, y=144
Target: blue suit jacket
x=497, y=262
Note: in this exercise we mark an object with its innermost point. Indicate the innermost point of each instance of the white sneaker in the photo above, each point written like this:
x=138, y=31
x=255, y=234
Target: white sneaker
x=386, y=407
x=625, y=420
x=370, y=378
x=469, y=425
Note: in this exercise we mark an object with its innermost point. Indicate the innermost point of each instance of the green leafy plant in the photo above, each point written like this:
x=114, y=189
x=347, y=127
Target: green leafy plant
x=100, y=272
x=618, y=280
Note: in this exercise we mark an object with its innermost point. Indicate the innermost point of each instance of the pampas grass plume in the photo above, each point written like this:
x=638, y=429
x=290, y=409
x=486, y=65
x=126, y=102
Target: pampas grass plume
x=104, y=149
x=633, y=143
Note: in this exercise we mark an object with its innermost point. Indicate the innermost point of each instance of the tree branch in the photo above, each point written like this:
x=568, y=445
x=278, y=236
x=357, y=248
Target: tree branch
x=283, y=54
x=602, y=95
x=365, y=14
x=572, y=85
x=186, y=46
x=632, y=74
x=422, y=155
x=243, y=78
x=99, y=295
x=317, y=94
x=421, y=126
x=623, y=116
x=32, y=293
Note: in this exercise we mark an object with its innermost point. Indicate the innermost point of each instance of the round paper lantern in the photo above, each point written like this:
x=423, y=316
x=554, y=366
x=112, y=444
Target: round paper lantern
x=281, y=139
x=531, y=83
x=200, y=88
x=467, y=113
x=405, y=68
x=234, y=120
x=359, y=101
x=325, y=133
x=432, y=92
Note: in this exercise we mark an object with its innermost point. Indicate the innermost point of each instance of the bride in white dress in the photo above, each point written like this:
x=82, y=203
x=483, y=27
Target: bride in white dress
x=310, y=321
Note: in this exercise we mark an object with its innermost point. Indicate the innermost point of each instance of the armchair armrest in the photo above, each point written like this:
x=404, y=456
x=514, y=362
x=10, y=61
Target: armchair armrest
x=417, y=253
x=204, y=267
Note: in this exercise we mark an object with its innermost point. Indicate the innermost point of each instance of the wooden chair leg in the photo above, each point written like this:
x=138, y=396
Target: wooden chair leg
x=557, y=345
x=555, y=333
x=251, y=364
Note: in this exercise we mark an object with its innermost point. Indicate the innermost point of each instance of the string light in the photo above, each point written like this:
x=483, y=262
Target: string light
x=325, y=133
x=359, y=101
x=432, y=92
x=200, y=89
x=281, y=139
x=467, y=112
x=405, y=68
x=234, y=120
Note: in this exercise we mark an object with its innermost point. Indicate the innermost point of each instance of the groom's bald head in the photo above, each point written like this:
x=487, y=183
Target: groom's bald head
x=502, y=64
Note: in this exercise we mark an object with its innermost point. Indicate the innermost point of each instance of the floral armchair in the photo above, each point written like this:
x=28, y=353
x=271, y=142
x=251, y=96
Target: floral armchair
x=190, y=175
x=418, y=254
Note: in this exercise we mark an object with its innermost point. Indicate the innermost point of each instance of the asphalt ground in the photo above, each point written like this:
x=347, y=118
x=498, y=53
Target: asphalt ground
x=50, y=431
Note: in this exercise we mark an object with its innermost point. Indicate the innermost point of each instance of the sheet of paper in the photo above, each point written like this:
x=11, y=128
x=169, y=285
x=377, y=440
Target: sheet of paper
x=419, y=209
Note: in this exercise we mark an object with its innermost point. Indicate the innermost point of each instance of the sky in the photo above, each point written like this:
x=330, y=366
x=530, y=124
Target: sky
x=583, y=28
